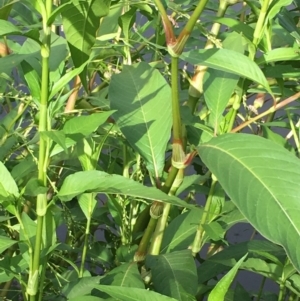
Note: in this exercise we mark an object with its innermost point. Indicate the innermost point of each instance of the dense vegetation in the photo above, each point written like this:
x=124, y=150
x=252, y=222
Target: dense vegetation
x=117, y=117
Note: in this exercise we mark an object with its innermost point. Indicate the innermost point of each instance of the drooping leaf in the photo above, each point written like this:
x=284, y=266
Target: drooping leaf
x=32, y=79
x=220, y=290
x=80, y=287
x=5, y=243
x=279, y=54
x=262, y=180
x=132, y=294
x=8, y=28
x=81, y=21
x=125, y=275
x=219, y=85
x=181, y=231
x=5, y=8
x=229, y=61
x=85, y=125
x=142, y=98
x=7, y=181
x=99, y=181
x=174, y=274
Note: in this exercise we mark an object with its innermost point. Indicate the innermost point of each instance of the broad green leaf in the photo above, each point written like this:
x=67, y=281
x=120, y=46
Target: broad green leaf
x=270, y=135
x=276, y=6
x=142, y=98
x=262, y=179
x=174, y=274
x=87, y=204
x=57, y=136
x=229, y=61
x=33, y=80
x=80, y=287
x=86, y=298
x=8, y=28
x=5, y=8
x=85, y=125
x=286, y=20
x=230, y=216
x=101, y=182
x=64, y=80
x=125, y=275
x=10, y=61
x=241, y=294
x=5, y=243
x=126, y=22
x=7, y=181
x=279, y=54
x=181, y=231
x=81, y=21
x=220, y=290
x=219, y=85
x=132, y=293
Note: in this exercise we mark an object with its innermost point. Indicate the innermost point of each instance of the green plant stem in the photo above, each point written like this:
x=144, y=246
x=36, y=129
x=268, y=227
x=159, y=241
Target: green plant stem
x=293, y=128
x=193, y=19
x=270, y=110
x=281, y=292
x=142, y=248
x=197, y=243
x=177, y=127
x=85, y=246
x=260, y=24
x=196, y=88
x=162, y=222
x=33, y=281
x=260, y=291
x=157, y=34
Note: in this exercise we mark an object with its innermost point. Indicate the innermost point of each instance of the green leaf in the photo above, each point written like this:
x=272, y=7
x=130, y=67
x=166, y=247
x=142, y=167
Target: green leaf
x=86, y=298
x=6, y=8
x=125, y=275
x=270, y=135
x=64, y=80
x=32, y=79
x=7, y=181
x=98, y=181
x=142, y=98
x=87, y=203
x=262, y=179
x=80, y=287
x=81, y=22
x=219, y=85
x=57, y=136
x=85, y=125
x=7, y=28
x=174, y=274
x=219, y=291
x=5, y=243
x=181, y=231
x=126, y=22
x=276, y=6
x=279, y=54
x=132, y=294
x=229, y=61
x=287, y=22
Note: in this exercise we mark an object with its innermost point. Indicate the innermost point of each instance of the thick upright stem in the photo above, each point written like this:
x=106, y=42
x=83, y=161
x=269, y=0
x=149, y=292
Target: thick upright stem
x=33, y=281
x=197, y=243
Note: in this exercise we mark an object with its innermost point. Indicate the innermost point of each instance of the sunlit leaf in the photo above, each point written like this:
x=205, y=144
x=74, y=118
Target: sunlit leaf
x=174, y=274
x=98, y=181
x=142, y=98
x=220, y=290
x=262, y=179
x=229, y=61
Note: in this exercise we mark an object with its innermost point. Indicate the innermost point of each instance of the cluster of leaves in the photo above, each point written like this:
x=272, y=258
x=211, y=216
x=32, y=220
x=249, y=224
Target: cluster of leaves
x=97, y=147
